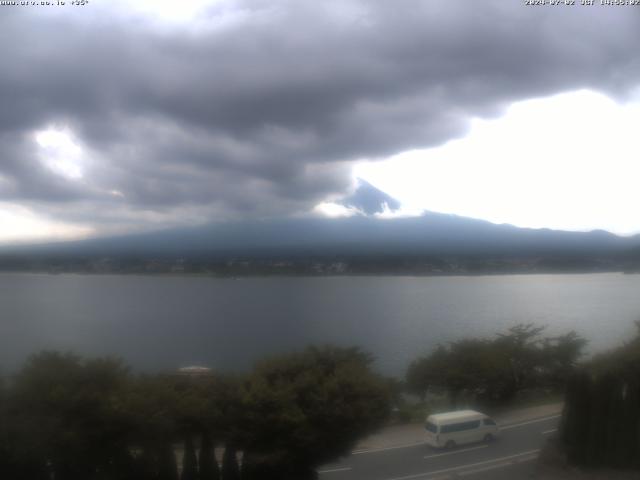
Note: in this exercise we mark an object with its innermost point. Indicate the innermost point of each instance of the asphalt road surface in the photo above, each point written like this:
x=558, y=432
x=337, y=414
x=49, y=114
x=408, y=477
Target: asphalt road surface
x=510, y=457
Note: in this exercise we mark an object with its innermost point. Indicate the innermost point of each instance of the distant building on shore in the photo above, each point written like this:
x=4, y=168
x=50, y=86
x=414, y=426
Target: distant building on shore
x=195, y=371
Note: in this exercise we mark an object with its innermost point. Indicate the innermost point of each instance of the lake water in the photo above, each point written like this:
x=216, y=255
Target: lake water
x=155, y=322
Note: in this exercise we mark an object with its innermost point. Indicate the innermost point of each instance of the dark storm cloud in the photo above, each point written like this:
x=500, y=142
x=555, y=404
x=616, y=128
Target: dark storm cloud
x=262, y=116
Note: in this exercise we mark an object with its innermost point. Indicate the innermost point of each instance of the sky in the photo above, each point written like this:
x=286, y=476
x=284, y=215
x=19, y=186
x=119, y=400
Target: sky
x=130, y=116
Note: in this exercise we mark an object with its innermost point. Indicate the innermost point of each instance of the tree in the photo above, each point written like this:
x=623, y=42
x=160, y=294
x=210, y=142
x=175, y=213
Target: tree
x=230, y=468
x=69, y=413
x=207, y=463
x=167, y=468
x=152, y=406
x=495, y=370
x=601, y=421
x=427, y=372
x=204, y=405
x=522, y=344
x=308, y=408
x=475, y=367
x=189, y=461
x=480, y=368
x=574, y=427
x=560, y=356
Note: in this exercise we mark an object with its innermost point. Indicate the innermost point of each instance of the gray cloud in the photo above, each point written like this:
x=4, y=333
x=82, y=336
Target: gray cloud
x=262, y=116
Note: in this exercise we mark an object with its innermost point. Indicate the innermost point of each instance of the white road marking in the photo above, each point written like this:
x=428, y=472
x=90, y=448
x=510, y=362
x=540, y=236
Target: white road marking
x=498, y=465
x=526, y=459
x=507, y=427
x=484, y=469
x=374, y=450
x=546, y=432
x=462, y=467
x=333, y=470
x=456, y=451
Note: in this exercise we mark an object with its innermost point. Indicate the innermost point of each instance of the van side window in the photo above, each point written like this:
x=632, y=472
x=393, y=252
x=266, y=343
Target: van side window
x=431, y=427
x=488, y=421
x=472, y=425
x=459, y=427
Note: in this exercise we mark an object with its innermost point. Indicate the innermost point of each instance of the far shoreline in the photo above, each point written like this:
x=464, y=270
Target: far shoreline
x=308, y=275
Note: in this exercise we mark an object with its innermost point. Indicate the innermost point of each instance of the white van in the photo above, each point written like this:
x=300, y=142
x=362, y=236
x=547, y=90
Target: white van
x=460, y=427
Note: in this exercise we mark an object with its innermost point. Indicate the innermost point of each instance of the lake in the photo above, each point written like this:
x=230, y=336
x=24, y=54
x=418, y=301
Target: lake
x=156, y=322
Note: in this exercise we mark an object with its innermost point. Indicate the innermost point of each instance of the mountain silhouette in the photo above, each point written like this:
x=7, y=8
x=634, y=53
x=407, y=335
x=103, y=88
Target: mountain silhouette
x=370, y=200
x=363, y=234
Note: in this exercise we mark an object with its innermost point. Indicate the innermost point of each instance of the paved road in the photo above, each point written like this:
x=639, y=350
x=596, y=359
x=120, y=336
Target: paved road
x=511, y=457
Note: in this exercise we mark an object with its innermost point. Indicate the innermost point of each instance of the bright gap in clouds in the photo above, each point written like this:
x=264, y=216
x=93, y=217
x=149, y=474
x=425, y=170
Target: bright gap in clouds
x=21, y=226
x=335, y=210
x=60, y=153
x=570, y=162
x=168, y=12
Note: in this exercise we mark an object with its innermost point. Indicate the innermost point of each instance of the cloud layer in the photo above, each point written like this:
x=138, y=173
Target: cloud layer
x=259, y=108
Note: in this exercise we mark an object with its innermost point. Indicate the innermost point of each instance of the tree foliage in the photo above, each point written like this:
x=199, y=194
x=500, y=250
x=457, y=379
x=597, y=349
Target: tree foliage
x=76, y=408
x=496, y=369
x=230, y=467
x=189, y=461
x=207, y=464
x=601, y=421
x=311, y=407
x=71, y=418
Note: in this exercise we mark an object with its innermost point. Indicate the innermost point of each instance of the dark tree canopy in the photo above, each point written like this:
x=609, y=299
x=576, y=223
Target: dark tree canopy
x=76, y=408
x=207, y=464
x=230, y=467
x=601, y=421
x=72, y=418
x=496, y=369
x=311, y=407
x=189, y=461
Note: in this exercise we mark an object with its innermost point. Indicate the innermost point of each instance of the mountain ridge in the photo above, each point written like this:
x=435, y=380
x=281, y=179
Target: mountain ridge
x=430, y=233
x=361, y=239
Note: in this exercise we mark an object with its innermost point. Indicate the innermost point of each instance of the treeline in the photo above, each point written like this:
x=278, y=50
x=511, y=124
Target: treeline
x=330, y=263
x=494, y=370
x=73, y=418
x=601, y=423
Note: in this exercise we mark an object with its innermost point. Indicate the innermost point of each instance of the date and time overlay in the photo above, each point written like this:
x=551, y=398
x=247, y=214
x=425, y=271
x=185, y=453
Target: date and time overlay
x=527, y=3
x=582, y=3
x=44, y=3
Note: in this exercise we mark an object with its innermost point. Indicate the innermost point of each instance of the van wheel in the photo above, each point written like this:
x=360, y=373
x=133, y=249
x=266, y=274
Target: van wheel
x=450, y=444
x=489, y=438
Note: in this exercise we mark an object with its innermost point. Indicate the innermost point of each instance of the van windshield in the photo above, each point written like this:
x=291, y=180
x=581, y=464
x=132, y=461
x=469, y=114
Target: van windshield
x=430, y=427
